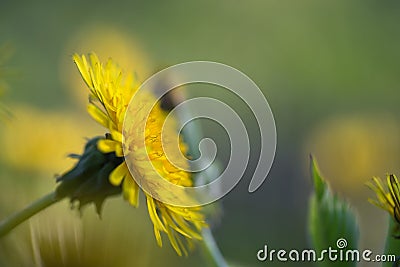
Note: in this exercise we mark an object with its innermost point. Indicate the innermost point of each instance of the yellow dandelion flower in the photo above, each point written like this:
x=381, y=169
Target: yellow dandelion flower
x=387, y=199
x=110, y=94
x=118, y=44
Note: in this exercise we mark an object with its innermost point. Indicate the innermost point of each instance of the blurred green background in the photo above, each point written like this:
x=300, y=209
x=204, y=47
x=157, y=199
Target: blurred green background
x=330, y=71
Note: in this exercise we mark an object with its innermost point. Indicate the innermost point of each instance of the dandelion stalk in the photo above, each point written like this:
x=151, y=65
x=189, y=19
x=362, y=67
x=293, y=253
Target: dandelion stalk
x=19, y=217
x=211, y=249
x=392, y=246
x=194, y=130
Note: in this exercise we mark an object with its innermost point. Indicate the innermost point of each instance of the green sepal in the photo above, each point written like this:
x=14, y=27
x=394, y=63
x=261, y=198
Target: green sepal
x=87, y=182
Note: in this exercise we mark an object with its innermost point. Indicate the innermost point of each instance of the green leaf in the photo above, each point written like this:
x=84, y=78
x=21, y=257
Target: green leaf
x=330, y=219
x=319, y=183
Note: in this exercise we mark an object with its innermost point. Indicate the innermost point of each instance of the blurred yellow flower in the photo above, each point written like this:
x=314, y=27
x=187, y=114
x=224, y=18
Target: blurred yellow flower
x=110, y=94
x=38, y=140
x=387, y=199
x=360, y=144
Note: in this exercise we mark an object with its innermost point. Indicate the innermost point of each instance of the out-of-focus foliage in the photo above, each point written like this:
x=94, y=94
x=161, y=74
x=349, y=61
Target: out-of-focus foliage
x=330, y=220
x=6, y=51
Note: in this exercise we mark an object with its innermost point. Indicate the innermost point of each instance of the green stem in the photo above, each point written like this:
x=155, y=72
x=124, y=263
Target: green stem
x=211, y=250
x=194, y=131
x=9, y=223
x=392, y=245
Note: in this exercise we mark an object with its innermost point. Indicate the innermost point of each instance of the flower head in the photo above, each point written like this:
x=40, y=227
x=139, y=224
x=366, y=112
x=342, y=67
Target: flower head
x=110, y=94
x=387, y=199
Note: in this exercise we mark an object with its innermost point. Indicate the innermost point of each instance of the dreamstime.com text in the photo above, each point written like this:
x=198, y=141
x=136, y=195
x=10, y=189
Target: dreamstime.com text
x=337, y=254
